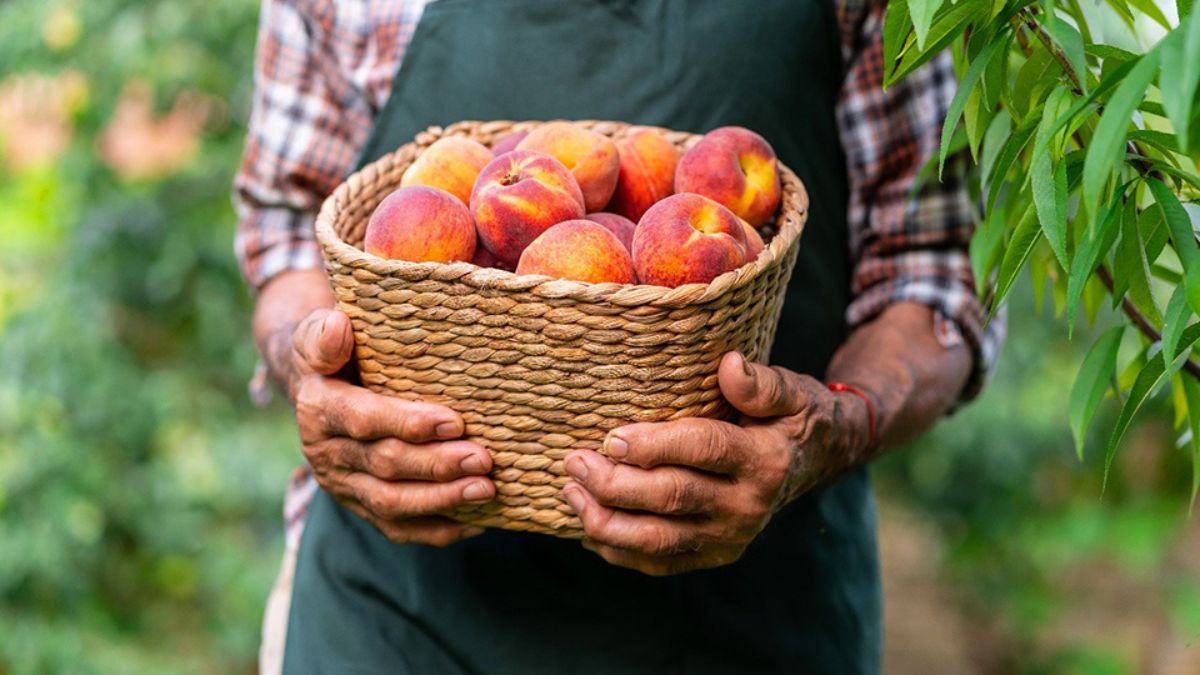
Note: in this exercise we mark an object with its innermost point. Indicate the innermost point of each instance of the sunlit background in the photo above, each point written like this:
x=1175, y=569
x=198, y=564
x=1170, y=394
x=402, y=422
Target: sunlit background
x=140, y=490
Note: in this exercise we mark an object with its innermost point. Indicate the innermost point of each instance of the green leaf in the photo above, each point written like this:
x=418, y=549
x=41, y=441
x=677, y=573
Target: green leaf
x=1024, y=238
x=1177, y=315
x=960, y=99
x=1072, y=45
x=1095, y=243
x=1184, y=7
x=975, y=119
x=1090, y=384
x=1150, y=9
x=1008, y=155
x=1158, y=140
x=994, y=138
x=985, y=247
x=1036, y=70
x=1177, y=221
x=944, y=30
x=1154, y=233
x=995, y=79
x=896, y=30
x=922, y=13
x=1106, y=149
x=1192, y=281
x=1131, y=271
x=1191, y=393
x=1181, y=74
x=1050, y=198
x=1147, y=382
x=1049, y=183
x=1106, y=52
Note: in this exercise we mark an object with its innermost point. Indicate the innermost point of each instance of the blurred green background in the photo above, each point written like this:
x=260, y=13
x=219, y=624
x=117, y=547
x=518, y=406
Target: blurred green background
x=140, y=490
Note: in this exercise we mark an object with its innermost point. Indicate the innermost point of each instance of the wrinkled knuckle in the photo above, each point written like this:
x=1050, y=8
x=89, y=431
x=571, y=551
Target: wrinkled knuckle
x=596, y=524
x=659, y=541
x=413, y=425
x=389, y=505
x=603, y=485
x=680, y=496
x=383, y=460
x=445, y=468
x=356, y=424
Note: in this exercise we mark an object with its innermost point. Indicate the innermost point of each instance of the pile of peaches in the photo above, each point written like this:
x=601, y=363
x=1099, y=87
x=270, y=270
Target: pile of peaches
x=570, y=203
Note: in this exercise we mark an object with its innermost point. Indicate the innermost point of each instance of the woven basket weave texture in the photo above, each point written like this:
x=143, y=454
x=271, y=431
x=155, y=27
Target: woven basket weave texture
x=538, y=367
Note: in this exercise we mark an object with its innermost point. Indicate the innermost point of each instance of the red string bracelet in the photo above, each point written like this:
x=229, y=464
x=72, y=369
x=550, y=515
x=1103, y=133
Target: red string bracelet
x=842, y=386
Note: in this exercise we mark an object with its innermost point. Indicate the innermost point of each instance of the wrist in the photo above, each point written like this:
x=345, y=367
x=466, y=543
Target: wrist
x=278, y=354
x=855, y=414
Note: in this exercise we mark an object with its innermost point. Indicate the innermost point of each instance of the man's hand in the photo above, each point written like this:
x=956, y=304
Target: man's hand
x=395, y=463
x=693, y=493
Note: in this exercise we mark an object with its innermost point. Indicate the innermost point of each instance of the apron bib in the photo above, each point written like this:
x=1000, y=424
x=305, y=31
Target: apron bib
x=805, y=596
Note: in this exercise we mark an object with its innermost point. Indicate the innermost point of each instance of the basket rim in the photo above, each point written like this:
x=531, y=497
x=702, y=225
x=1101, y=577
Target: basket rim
x=481, y=278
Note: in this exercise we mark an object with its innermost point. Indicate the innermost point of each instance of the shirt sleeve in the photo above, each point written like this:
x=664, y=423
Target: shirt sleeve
x=909, y=239
x=306, y=123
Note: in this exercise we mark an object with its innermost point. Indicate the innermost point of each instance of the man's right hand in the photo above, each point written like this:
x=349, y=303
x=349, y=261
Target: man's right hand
x=395, y=463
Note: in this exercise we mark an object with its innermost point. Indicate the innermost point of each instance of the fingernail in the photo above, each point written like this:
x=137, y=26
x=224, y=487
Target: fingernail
x=473, y=464
x=616, y=447
x=577, y=468
x=448, y=430
x=476, y=492
x=746, y=366
x=575, y=499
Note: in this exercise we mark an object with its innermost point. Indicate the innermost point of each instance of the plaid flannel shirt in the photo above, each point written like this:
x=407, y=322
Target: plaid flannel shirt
x=324, y=69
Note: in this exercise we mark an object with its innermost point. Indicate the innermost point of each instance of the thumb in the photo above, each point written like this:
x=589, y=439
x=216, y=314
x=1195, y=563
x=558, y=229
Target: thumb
x=759, y=391
x=324, y=341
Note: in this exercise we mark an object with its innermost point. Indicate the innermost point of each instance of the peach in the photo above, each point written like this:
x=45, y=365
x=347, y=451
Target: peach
x=452, y=163
x=520, y=195
x=582, y=250
x=754, y=242
x=736, y=168
x=421, y=224
x=508, y=143
x=647, y=173
x=484, y=258
x=618, y=225
x=591, y=157
x=686, y=239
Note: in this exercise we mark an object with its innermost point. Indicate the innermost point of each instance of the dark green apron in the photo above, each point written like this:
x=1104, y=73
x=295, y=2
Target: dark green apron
x=805, y=597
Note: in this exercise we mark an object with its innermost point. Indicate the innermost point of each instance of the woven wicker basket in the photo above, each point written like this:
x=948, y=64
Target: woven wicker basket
x=538, y=367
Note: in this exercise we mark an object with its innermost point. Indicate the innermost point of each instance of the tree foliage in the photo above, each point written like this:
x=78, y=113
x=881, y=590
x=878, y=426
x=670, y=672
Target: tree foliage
x=1083, y=122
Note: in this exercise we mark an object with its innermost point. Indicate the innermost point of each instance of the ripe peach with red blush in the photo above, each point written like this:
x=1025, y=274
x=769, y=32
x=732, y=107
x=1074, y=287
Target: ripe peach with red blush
x=591, y=157
x=687, y=238
x=421, y=224
x=508, y=143
x=736, y=168
x=618, y=225
x=581, y=250
x=452, y=164
x=647, y=172
x=520, y=195
x=754, y=242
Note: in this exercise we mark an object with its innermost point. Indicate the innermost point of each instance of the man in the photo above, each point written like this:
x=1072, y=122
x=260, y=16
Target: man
x=714, y=547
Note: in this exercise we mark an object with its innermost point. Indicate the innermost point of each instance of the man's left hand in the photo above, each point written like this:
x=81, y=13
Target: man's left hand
x=693, y=493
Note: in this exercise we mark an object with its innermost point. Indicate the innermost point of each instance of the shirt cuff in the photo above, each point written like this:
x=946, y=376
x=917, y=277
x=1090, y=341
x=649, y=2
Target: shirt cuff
x=272, y=241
